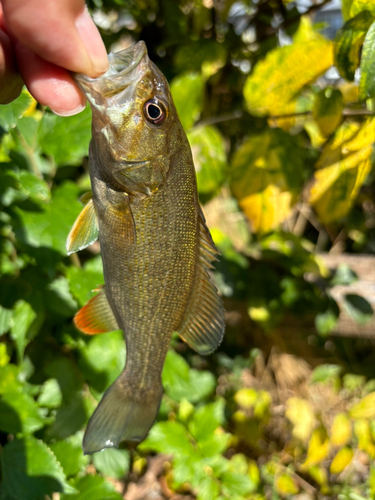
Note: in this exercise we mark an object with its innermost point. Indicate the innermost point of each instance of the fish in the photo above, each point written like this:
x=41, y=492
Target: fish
x=156, y=249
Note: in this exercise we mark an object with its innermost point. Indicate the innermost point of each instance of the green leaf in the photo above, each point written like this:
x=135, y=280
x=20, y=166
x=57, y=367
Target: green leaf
x=344, y=276
x=23, y=318
x=59, y=299
x=112, y=462
x=11, y=113
x=5, y=319
x=236, y=484
x=19, y=413
x=358, y=308
x=264, y=180
x=276, y=81
x=31, y=471
x=348, y=42
x=9, y=381
x=70, y=418
x=168, y=437
x=181, y=382
x=187, y=93
x=103, y=359
x=207, y=146
x=66, y=139
x=50, y=394
x=207, y=419
x=357, y=6
x=367, y=80
x=93, y=488
x=50, y=227
x=327, y=110
x=326, y=321
x=325, y=373
x=71, y=457
x=208, y=488
x=82, y=282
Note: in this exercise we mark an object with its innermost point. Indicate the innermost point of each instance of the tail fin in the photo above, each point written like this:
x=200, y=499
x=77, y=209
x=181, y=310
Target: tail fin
x=124, y=413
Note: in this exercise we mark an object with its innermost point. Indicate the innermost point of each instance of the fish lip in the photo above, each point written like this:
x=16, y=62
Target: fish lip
x=125, y=67
x=120, y=63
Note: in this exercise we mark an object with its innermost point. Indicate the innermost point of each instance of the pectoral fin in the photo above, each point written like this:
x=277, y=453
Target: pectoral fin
x=203, y=324
x=96, y=316
x=85, y=229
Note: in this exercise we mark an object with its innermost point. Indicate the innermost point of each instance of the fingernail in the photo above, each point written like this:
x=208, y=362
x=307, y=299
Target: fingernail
x=93, y=43
x=69, y=112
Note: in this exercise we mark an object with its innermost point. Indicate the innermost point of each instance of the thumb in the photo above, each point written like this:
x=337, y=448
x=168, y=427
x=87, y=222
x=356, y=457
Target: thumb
x=59, y=31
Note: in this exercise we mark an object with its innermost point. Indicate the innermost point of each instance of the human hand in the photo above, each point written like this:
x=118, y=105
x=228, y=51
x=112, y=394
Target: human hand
x=40, y=42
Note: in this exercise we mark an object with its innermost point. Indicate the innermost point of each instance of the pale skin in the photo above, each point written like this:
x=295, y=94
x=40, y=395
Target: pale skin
x=41, y=42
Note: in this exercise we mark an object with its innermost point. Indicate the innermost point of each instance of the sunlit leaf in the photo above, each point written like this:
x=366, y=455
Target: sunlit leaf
x=50, y=394
x=341, y=430
x=11, y=113
x=66, y=139
x=19, y=413
x=357, y=6
x=112, y=462
x=367, y=80
x=266, y=176
x=181, y=382
x=341, y=460
x=365, y=408
x=348, y=42
x=168, y=437
x=363, y=434
x=93, y=488
x=187, y=93
x=207, y=146
x=22, y=320
x=337, y=183
x=318, y=447
x=277, y=80
x=71, y=457
x=286, y=485
x=301, y=414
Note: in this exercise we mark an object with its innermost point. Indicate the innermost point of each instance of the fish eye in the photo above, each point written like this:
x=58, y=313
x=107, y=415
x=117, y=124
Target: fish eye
x=154, y=111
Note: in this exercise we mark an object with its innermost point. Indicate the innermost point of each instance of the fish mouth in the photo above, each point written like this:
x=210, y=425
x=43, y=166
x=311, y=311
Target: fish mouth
x=125, y=67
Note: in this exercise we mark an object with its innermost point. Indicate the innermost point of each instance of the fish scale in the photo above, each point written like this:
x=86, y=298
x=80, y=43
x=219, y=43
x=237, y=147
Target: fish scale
x=155, y=246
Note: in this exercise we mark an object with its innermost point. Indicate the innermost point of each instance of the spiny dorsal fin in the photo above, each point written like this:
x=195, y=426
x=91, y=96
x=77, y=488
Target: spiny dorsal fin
x=85, y=229
x=203, y=324
x=96, y=316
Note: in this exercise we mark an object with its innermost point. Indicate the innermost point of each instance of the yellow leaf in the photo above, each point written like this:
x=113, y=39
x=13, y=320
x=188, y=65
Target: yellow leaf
x=286, y=485
x=319, y=474
x=365, y=408
x=254, y=472
x=341, y=460
x=341, y=430
x=318, y=448
x=345, y=164
x=278, y=78
x=358, y=6
x=301, y=414
x=266, y=177
x=363, y=434
x=246, y=397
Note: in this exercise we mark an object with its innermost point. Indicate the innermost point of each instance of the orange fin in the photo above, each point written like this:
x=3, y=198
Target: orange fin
x=203, y=324
x=85, y=229
x=96, y=316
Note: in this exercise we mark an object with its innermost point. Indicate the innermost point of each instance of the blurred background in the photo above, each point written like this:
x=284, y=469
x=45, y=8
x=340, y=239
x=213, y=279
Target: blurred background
x=277, y=100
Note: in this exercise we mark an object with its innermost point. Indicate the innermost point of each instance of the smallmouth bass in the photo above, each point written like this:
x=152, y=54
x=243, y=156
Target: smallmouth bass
x=155, y=245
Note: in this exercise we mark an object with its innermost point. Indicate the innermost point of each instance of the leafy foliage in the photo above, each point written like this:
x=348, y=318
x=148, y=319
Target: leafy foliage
x=284, y=158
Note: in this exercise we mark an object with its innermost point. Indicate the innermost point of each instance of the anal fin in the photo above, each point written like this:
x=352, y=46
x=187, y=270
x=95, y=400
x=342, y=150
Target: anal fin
x=96, y=316
x=203, y=324
x=85, y=229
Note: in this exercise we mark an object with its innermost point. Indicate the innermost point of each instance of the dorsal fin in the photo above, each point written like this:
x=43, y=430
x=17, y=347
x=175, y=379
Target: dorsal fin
x=85, y=229
x=96, y=316
x=202, y=326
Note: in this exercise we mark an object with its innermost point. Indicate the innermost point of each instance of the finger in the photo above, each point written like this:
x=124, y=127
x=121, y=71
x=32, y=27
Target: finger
x=11, y=81
x=59, y=31
x=49, y=84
